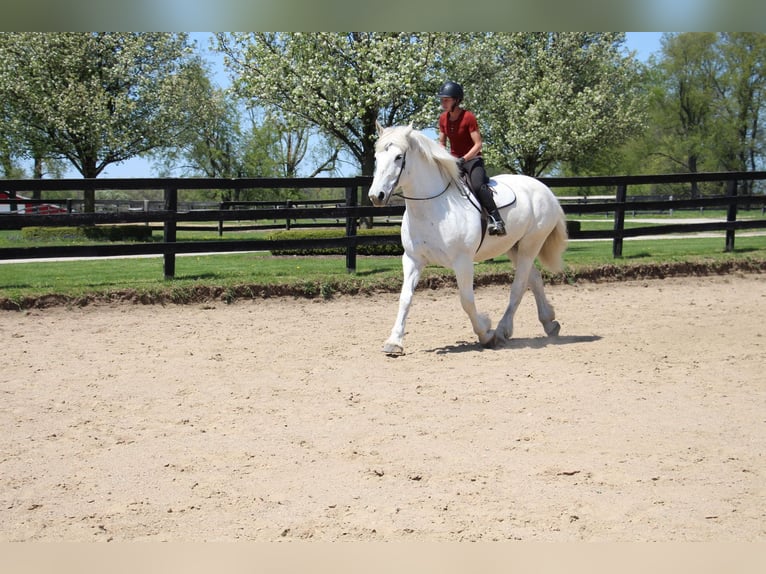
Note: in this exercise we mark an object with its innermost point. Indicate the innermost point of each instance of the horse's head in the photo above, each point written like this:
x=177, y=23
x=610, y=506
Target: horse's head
x=402, y=154
x=390, y=160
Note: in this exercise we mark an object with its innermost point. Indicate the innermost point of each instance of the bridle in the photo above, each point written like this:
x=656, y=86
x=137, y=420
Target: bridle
x=399, y=175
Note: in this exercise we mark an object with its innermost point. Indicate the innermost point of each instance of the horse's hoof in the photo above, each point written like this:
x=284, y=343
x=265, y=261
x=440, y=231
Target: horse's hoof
x=496, y=341
x=553, y=329
x=393, y=350
x=488, y=341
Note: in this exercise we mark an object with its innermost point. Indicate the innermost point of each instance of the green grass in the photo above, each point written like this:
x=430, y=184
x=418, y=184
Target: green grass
x=591, y=222
x=14, y=238
x=581, y=253
x=317, y=276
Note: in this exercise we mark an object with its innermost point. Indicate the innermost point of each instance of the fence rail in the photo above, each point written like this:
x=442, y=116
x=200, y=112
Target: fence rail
x=346, y=209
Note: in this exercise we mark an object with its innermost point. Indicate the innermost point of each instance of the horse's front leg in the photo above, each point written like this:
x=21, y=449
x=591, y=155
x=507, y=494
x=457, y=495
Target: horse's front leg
x=394, y=345
x=480, y=321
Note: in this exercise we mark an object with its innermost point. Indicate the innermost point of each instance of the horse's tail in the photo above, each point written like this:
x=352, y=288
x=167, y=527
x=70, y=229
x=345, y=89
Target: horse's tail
x=555, y=245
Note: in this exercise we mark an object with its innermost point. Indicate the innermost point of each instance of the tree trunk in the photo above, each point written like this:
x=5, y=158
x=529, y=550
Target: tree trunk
x=89, y=195
x=37, y=174
x=368, y=164
x=695, y=191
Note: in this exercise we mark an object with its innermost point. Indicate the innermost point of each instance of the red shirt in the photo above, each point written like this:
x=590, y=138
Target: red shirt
x=459, y=132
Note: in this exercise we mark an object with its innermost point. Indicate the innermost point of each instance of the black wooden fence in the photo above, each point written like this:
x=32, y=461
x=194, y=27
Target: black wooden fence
x=347, y=209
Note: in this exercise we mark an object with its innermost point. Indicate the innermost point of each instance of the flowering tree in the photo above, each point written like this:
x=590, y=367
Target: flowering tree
x=545, y=98
x=95, y=99
x=341, y=83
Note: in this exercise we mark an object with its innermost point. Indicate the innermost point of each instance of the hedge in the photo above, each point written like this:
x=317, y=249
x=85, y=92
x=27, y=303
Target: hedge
x=394, y=249
x=83, y=232
x=572, y=226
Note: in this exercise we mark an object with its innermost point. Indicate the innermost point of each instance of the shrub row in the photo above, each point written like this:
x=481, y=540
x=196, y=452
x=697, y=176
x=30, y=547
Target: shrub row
x=394, y=249
x=91, y=232
x=572, y=226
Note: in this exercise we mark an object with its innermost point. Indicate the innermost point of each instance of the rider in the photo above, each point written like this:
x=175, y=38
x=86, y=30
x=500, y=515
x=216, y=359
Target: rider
x=460, y=127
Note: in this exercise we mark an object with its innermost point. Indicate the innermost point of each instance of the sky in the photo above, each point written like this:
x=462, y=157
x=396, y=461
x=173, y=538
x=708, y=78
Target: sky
x=643, y=43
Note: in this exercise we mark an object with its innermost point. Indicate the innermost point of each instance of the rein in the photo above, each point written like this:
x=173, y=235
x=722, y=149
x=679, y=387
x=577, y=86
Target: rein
x=442, y=192
x=396, y=183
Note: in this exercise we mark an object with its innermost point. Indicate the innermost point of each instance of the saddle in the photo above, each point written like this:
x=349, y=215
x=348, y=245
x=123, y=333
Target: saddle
x=504, y=196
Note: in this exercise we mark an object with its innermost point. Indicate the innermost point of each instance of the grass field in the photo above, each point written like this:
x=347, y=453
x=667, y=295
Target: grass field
x=242, y=273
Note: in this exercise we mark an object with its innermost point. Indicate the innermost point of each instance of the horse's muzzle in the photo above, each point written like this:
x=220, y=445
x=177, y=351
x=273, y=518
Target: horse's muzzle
x=378, y=199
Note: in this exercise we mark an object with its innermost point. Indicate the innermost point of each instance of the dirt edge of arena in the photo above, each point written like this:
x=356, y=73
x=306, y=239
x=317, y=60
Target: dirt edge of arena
x=196, y=294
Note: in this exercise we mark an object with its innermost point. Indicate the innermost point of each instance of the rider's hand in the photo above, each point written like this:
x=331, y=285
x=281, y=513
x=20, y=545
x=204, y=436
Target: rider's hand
x=461, y=164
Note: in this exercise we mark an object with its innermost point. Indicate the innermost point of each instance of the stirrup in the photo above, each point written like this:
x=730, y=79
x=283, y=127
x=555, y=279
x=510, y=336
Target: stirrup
x=496, y=226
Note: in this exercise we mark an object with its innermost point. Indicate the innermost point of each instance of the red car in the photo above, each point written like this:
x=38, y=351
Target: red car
x=29, y=208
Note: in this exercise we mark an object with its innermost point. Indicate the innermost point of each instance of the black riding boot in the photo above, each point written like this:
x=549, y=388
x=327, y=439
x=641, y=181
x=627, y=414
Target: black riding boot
x=496, y=225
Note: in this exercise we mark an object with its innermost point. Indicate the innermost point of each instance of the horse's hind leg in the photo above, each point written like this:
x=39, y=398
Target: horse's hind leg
x=523, y=259
x=545, y=311
x=394, y=345
x=504, y=329
x=526, y=276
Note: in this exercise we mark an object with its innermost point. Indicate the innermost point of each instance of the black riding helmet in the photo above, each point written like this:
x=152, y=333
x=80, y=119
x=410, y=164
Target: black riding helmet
x=451, y=89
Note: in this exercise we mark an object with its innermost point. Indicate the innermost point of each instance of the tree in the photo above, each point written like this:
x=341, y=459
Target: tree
x=210, y=145
x=96, y=99
x=16, y=145
x=547, y=98
x=340, y=83
x=744, y=99
x=284, y=144
x=294, y=149
x=683, y=108
x=707, y=104
x=8, y=146
x=277, y=147
x=216, y=144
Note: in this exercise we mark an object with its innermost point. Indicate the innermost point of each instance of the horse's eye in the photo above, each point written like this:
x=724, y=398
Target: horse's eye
x=398, y=157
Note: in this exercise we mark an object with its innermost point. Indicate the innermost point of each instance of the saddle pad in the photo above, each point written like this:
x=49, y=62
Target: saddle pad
x=504, y=195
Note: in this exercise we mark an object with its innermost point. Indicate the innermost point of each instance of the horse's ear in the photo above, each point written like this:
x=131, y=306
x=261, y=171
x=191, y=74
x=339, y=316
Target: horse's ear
x=409, y=129
x=379, y=127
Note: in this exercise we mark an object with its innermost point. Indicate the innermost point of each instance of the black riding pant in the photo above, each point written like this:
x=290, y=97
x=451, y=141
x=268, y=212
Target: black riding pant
x=477, y=177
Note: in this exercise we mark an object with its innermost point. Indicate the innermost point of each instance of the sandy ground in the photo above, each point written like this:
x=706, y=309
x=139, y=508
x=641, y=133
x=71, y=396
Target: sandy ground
x=281, y=419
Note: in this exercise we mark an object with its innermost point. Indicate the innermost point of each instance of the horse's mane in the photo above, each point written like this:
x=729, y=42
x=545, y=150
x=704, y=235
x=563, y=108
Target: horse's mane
x=408, y=139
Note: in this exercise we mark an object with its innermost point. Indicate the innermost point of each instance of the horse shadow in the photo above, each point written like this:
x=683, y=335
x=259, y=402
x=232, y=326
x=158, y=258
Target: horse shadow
x=518, y=343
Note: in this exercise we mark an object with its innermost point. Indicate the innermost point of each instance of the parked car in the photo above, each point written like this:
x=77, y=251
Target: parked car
x=28, y=206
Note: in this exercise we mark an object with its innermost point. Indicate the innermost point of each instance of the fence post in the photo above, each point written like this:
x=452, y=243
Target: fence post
x=169, y=230
x=731, y=213
x=351, y=201
x=619, y=220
